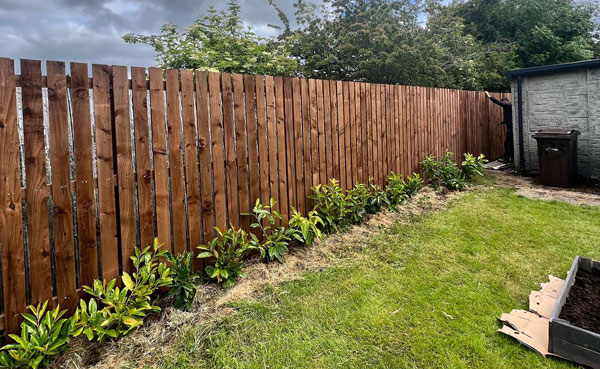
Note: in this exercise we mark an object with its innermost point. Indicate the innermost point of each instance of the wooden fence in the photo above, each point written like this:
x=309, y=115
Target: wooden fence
x=90, y=167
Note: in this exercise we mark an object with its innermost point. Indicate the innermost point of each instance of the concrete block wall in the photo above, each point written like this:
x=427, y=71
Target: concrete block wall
x=568, y=100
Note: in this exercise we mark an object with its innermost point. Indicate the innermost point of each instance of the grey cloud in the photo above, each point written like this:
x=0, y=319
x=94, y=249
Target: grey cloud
x=91, y=30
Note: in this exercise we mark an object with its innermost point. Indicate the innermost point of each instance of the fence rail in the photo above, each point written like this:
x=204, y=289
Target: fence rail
x=91, y=166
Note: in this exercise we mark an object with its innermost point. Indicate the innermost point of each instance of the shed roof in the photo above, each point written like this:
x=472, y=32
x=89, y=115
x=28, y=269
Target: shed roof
x=556, y=68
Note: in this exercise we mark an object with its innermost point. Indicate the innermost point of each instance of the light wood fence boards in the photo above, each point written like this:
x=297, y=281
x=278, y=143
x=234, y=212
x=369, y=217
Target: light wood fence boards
x=172, y=154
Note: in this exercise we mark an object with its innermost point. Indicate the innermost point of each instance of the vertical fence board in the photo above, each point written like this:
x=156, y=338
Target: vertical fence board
x=64, y=248
x=263, y=149
x=241, y=138
x=11, y=212
x=104, y=152
x=328, y=138
x=281, y=154
x=336, y=118
x=82, y=146
x=125, y=174
x=142, y=155
x=307, y=167
x=160, y=154
x=289, y=143
x=192, y=184
x=298, y=175
x=252, y=129
x=205, y=167
x=272, y=132
x=220, y=206
x=230, y=155
x=364, y=142
x=175, y=159
x=349, y=135
x=314, y=134
x=321, y=132
x=37, y=190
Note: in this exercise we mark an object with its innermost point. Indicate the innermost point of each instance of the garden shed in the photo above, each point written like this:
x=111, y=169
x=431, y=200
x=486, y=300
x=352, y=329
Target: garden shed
x=562, y=96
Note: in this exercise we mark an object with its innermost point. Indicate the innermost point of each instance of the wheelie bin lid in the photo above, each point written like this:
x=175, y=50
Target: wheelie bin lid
x=556, y=133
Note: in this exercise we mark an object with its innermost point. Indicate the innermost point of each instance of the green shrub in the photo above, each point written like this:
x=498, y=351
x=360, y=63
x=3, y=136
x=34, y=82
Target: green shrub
x=332, y=205
x=473, y=166
x=357, y=199
x=123, y=309
x=184, y=282
x=443, y=172
x=413, y=184
x=275, y=239
x=377, y=199
x=228, y=249
x=44, y=334
x=396, y=189
x=306, y=228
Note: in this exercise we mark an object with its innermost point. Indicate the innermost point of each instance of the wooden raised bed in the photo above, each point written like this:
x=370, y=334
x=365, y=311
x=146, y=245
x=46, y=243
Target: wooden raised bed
x=574, y=329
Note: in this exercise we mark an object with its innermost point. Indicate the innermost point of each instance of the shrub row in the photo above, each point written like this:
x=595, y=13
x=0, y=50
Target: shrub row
x=117, y=309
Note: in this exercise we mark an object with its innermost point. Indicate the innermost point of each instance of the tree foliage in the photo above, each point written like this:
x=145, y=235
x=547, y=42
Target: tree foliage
x=218, y=41
x=468, y=44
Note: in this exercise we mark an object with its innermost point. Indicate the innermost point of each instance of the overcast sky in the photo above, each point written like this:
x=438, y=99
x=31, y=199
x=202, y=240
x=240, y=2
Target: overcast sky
x=91, y=30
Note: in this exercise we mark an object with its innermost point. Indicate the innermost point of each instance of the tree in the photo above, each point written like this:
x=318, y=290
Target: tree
x=219, y=42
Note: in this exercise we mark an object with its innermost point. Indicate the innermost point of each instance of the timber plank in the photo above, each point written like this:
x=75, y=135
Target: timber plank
x=298, y=175
x=82, y=147
x=105, y=164
x=205, y=167
x=289, y=143
x=192, y=177
x=272, y=138
x=11, y=210
x=126, y=176
x=263, y=149
x=281, y=150
x=64, y=247
x=314, y=135
x=176, y=169
x=321, y=132
x=230, y=154
x=241, y=138
x=142, y=155
x=220, y=205
x=160, y=155
x=252, y=134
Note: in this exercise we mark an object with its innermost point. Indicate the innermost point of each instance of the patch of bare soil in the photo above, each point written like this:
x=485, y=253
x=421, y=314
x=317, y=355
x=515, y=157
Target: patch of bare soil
x=154, y=338
x=530, y=188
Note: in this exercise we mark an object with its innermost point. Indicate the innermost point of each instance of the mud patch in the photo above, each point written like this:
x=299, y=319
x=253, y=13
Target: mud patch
x=528, y=187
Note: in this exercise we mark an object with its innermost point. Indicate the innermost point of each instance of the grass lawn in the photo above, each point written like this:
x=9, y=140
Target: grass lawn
x=427, y=297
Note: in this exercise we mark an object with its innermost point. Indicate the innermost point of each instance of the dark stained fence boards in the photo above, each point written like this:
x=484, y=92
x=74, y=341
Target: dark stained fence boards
x=179, y=152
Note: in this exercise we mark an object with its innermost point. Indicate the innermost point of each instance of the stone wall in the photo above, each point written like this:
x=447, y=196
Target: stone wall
x=569, y=100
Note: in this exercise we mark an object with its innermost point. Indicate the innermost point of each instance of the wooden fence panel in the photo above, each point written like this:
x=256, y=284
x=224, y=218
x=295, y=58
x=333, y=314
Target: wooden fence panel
x=84, y=174
x=11, y=210
x=263, y=148
x=229, y=125
x=160, y=156
x=252, y=133
x=125, y=174
x=64, y=246
x=192, y=178
x=220, y=146
x=176, y=168
x=106, y=187
x=37, y=190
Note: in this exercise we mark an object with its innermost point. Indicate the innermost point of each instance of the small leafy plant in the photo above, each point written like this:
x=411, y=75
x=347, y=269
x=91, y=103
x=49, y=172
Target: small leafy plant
x=357, y=199
x=443, y=172
x=184, y=282
x=275, y=239
x=228, y=249
x=413, y=184
x=473, y=166
x=124, y=308
x=44, y=334
x=377, y=199
x=332, y=205
x=396, y=189
x=306, y=228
